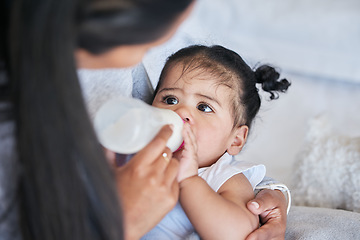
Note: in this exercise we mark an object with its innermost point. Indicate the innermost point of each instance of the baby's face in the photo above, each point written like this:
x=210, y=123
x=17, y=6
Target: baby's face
x=203, y=103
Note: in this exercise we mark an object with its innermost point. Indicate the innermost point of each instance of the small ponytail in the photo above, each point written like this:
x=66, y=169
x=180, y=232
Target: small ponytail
x=268, y=77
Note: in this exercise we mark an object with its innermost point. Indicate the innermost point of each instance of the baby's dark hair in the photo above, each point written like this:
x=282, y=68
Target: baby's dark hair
x=232, y=71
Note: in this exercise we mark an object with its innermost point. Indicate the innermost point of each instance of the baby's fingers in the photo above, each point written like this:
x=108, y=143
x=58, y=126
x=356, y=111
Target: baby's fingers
x=189, y=138
x=171, y=172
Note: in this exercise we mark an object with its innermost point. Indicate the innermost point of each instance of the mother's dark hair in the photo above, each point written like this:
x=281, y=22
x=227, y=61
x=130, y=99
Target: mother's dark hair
x=102, y=23
x=66, y=189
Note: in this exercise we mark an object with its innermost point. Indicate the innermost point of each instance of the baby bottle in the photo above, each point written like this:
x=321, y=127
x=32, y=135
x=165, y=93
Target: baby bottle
x=126, y=125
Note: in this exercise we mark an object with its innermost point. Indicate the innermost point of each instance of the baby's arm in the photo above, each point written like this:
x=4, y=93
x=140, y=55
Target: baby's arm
x=222, y=214
x=215, y=215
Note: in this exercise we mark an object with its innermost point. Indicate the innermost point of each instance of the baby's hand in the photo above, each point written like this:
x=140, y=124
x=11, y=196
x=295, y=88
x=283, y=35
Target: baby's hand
x=188, y=160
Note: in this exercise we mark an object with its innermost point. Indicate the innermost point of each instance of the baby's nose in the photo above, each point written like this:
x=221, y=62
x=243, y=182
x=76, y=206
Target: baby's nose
x=185, y=114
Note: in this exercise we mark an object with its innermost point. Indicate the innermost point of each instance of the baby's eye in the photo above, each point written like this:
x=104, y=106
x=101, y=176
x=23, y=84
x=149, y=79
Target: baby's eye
x=170, y=100
x=204, y=108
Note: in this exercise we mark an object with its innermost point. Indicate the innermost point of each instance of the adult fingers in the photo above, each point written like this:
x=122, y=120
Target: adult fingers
x=270, y=205
x=171, y=172
x=155, y=148
x=266, y=200
x=267, y=232
x=175, y=188
x=163, y=160
x=274, y=226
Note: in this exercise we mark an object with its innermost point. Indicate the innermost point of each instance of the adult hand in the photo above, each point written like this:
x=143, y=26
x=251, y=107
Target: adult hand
x=147, y=186
x=270, y=205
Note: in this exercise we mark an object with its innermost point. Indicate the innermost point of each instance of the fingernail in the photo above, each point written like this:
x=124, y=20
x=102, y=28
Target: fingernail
x=171, y=126
x=255, y=204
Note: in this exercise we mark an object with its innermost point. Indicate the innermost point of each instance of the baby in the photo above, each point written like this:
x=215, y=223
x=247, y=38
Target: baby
x=214, y=91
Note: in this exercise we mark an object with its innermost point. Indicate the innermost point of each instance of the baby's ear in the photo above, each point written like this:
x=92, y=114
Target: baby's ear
x=239, y=139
